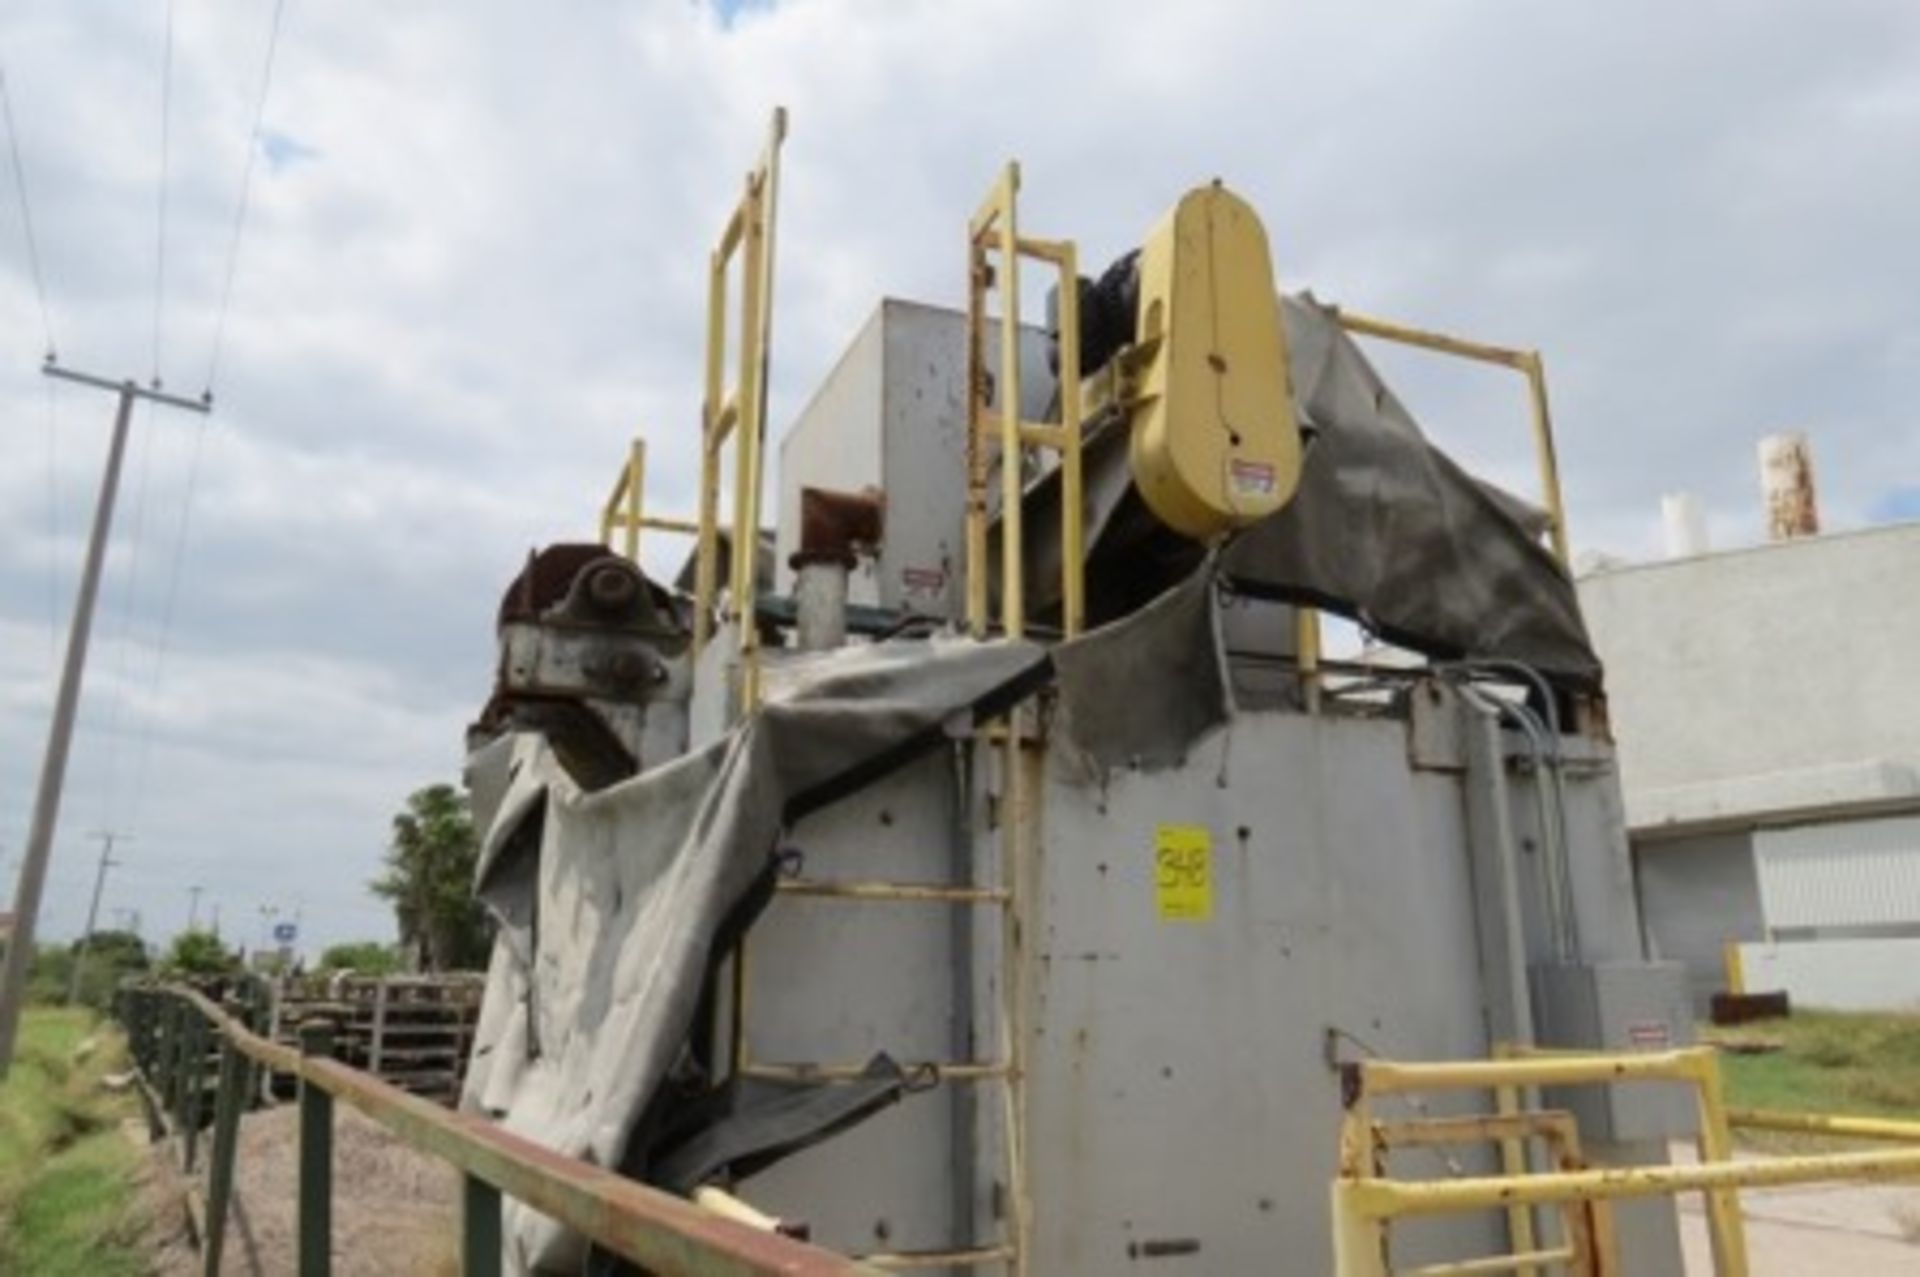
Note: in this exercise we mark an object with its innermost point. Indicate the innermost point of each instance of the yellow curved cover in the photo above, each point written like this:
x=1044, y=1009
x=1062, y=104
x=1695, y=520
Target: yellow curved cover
x=1215, y=442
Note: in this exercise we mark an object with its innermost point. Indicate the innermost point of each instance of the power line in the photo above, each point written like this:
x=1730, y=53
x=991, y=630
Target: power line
x=144, y=749
x=46, y=327
x=246, y=189
x=26, y=213
x=129, y=605
x=53, y=525
x=160, y=228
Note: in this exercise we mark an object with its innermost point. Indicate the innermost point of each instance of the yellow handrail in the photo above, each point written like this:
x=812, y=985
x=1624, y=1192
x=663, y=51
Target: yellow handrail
x=741, y=413
x=1525, y=362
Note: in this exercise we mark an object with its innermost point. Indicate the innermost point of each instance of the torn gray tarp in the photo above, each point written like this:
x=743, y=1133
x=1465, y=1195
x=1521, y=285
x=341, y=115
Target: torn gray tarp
x=1385, y=528
x=1169, y=660
x=612, y=903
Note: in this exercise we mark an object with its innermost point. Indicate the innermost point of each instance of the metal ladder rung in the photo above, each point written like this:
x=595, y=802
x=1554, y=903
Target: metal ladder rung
x=916, y=892
x=1512, y=1263
x=903, y=1259
x=956, y=1071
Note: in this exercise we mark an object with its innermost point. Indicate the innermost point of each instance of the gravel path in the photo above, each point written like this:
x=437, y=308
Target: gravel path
x=394, y=1210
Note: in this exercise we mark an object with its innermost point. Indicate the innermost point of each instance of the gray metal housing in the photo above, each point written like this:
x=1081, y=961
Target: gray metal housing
x=1181, y=1099
x=1377, y=885
x=892, y=414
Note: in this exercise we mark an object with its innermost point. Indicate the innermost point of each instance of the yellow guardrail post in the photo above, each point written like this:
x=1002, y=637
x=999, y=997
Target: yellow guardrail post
x=1359, y=1237
x=1736, y=968
x=1725, y=1225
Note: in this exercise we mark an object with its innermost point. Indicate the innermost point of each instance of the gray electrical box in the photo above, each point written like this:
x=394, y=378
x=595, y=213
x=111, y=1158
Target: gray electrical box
x=1618, y=1006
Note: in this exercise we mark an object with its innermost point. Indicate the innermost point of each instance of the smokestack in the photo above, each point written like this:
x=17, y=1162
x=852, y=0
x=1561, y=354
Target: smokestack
x=1685, y=526
x=1786, y=479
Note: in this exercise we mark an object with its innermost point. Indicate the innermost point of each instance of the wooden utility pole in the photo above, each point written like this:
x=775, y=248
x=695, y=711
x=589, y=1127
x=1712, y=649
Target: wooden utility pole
x=106, y=839
x=53, y=771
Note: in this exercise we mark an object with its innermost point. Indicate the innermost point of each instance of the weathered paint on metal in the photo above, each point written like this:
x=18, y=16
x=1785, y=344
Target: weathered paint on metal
x=193, y=1092
x=1383, y=1198
x=1865, y=1128
x=316, y=1157
x=229, y=1102
x=1786, y=481
x=479, y=1228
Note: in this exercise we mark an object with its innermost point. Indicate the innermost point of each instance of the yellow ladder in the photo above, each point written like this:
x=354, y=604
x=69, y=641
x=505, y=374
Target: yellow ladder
x=995, y=249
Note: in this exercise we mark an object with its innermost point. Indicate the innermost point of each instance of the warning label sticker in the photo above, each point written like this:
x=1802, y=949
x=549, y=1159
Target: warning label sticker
x=923, y=580
x=1183, y=873
x=1649, y=1035
x=1252, y=478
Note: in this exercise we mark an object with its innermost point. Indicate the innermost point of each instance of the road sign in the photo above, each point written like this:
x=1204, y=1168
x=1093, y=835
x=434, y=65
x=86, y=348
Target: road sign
x=284, y=932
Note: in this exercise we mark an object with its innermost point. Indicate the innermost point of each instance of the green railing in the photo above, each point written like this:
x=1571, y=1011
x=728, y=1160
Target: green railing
x=187, y=1048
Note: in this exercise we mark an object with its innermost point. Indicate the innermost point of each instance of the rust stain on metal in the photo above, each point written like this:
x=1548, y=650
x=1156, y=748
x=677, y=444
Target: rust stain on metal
x=1786, y=478
x=839, y=526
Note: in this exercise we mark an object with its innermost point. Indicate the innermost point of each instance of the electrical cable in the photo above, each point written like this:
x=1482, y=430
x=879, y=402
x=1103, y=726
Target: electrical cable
x=246, y=190
x=26, y=213
x=160, y=227
x=144, y=746
x=182, y=529
x=53, y=526
x=129, y=605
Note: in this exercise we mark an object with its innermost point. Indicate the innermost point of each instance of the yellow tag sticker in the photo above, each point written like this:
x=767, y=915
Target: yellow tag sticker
x=1183, y=873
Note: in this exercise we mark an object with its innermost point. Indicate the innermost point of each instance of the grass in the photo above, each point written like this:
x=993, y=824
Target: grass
x=1828, y=1062
x=67, y=1172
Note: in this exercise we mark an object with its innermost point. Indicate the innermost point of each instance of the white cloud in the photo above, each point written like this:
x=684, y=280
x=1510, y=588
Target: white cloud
x=485, y=269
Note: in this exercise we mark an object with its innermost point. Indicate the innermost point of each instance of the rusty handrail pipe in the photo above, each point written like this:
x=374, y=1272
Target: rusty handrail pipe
x=665, y=1233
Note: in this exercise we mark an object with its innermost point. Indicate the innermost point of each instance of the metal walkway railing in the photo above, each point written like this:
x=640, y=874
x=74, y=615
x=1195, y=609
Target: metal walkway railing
x=181, y=1041
x=1367, y=1200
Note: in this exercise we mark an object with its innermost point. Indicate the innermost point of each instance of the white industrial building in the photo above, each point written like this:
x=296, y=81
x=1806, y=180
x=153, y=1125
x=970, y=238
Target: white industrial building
x=1766, y=702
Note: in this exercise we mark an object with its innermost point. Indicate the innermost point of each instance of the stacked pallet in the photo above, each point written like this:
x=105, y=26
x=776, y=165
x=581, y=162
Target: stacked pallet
x=412, y=1031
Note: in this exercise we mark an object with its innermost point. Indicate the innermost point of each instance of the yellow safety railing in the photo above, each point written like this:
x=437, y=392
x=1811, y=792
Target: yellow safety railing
x=740, y=413
x=1589, y=1245
x=1366, y=1201
x=1525, y=362
x=994, y=249
x=625, y=511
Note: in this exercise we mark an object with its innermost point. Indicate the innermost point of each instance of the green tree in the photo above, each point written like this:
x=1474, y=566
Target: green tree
x=429, y=881
x=362, y=957
x=122, y=951
x=199, y=952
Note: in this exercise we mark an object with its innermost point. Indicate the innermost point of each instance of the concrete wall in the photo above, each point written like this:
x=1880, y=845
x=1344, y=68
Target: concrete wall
x=1776, y=678
x=1695, y=895
x=1841, y=975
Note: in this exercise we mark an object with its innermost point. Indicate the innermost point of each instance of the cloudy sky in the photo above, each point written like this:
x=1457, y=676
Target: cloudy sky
x=473, y=268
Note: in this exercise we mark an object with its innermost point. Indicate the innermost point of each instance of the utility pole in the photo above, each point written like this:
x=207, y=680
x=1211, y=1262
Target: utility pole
x=53, y=771
x=193, y=907
x=106, y=839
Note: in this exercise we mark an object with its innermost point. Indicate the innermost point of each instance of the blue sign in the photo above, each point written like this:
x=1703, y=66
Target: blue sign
x=284, y=932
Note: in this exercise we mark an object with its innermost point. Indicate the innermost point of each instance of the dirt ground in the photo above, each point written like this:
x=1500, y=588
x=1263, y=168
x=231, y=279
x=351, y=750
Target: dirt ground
x=1859, y=1230
x=395, y=1211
